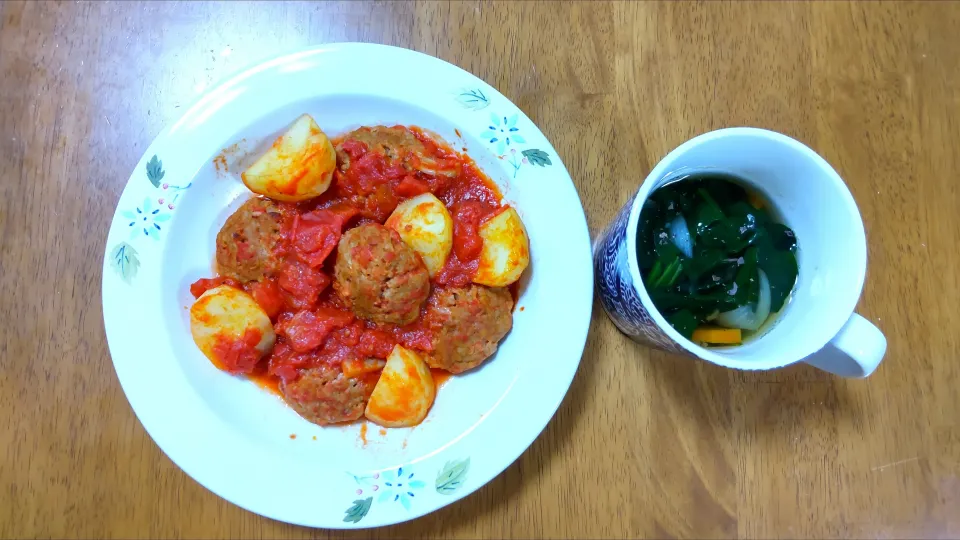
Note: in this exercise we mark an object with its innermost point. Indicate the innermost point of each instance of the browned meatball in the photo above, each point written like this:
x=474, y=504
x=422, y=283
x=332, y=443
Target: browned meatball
x=379, y=277
x=401, y=147
x=324, y=395
x=373, y=161
x=396, y=143
x=247, y=241
x=467, y=324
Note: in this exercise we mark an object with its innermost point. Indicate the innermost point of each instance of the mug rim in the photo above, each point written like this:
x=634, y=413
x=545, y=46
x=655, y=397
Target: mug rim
x=729, y=357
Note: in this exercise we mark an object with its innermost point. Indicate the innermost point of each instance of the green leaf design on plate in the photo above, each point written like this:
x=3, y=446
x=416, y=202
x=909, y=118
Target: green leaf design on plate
x=452, y=476
x=359, y=509
x=155, y=171
x=537, y=157
x=473, y=99
x=124, y=261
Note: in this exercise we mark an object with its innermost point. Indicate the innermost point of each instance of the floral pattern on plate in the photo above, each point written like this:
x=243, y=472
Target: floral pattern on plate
x=147, y=219
x=403, y=486
x=505, y=138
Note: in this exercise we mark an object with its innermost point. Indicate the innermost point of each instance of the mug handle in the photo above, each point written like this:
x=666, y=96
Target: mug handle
x=854, y=352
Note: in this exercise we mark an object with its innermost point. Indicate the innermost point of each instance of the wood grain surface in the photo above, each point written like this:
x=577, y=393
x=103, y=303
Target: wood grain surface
x=645, y=444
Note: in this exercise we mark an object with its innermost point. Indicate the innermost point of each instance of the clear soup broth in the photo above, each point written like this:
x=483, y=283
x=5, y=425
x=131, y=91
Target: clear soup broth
x=716, y=259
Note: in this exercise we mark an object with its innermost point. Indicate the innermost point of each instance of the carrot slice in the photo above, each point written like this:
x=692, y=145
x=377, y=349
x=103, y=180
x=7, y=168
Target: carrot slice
x=717, y=336
x=755, y=200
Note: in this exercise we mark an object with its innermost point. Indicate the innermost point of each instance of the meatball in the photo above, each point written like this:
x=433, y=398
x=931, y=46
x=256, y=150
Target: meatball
x=467, y=323
x=247, y=241
x=379, y=277
x=379, y=166
x=396, y=143
x=324, y=395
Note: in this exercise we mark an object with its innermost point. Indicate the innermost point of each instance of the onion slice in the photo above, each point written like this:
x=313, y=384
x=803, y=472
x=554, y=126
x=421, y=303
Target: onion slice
x=745, y=317
x=680, y=236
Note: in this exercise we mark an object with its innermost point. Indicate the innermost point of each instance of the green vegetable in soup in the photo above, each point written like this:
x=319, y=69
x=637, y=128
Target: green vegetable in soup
x=701, y=247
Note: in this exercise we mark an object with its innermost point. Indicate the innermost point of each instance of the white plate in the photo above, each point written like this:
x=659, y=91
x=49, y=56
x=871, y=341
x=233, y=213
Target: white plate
x=235, y=438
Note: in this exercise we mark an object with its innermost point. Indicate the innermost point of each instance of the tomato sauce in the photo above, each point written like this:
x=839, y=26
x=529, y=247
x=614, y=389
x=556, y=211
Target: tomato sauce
x=363, y=433
x=262, y=378
x=238, y=355
x=440, y=376
x=202, y=285
x=313, y=325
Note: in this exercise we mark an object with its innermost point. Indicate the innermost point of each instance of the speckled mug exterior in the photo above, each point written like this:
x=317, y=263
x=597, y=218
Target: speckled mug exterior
x=616, y=287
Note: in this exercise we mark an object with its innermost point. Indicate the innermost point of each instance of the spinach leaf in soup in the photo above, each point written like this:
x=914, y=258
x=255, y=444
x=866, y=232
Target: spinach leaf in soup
x=684, y=321
x=715, y=271
x=649, y=214
x=780, y=266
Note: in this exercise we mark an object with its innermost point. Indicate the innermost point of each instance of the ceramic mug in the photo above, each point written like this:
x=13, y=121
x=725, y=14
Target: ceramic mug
x=818, y=326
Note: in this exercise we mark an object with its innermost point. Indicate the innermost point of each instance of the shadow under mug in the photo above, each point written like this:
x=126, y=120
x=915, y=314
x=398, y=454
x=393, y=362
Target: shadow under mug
x=818, y=326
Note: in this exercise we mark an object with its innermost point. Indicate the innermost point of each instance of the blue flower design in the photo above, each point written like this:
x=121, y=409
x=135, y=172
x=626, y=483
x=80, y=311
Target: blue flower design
x=146, y=219
x=400, y=486
x=503, y=131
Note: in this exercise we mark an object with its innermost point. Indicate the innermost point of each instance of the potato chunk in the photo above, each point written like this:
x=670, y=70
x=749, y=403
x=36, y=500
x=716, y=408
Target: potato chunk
x=506, y=250
x=231, y=329
x=425, y=225
x=405, y=392
x=356, y=368
x=297, y=167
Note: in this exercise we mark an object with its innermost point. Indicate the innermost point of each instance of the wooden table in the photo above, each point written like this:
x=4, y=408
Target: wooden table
x=645, y=444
